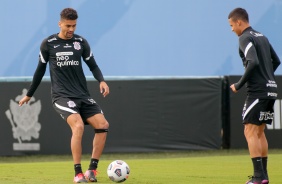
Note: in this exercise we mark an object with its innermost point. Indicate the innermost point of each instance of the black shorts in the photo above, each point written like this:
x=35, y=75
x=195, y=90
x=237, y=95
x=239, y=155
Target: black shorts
x=86, y=107
x=258, y=111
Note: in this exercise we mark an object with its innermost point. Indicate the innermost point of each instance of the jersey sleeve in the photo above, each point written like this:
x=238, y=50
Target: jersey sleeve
x=275, y=59
x=249, y=55
x=91, y=63
x=40, y=70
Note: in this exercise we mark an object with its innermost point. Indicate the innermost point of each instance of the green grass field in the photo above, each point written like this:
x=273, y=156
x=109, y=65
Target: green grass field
x=195, y=167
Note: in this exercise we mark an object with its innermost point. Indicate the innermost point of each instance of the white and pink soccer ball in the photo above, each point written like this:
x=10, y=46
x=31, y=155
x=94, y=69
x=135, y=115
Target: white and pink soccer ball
x=118, y=171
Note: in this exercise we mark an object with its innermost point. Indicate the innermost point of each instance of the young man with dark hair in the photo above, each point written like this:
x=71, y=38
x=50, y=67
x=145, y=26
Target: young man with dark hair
x=70, y=96
x=260, y=62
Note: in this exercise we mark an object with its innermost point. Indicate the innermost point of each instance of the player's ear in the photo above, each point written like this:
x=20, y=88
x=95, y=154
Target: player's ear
x=59, y=23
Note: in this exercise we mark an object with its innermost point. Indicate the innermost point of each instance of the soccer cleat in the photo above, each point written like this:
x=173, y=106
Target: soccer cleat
x=79, y=178
x=253, y=180
x=90, y=175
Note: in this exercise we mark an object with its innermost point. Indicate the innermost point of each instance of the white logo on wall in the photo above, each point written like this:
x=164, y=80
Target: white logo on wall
x=277, y=121
x=24, y=122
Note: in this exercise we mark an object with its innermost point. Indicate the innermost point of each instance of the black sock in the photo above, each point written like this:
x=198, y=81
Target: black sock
x=258, y=168
x=77, y=169
x=93, y=164
x=264, y=165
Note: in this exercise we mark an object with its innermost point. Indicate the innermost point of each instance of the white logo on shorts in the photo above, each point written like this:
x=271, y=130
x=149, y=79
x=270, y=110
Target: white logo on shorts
x=266, y=116
x=91, y=100
x=71, y=104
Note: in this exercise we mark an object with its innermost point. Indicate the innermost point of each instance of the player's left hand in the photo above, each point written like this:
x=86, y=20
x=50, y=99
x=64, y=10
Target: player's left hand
x=233, y=88
x=104, y=88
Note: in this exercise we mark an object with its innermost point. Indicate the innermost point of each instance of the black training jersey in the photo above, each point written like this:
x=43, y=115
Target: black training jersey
x=66, y=72
x=260, y=62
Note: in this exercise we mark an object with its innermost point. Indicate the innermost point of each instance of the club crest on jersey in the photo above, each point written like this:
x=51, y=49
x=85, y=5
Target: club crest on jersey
x=77, y=45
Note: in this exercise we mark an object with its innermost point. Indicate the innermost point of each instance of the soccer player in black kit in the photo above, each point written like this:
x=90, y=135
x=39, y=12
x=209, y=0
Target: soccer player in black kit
x=70, y=96
x=260, y=62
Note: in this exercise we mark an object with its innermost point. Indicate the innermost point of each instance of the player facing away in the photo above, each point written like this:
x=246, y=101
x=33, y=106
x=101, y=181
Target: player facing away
x=260, y=62
x=70, y=96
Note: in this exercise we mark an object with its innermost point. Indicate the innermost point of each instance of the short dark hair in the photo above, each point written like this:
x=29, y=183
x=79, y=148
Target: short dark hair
x=239, y=14
x=69, y=14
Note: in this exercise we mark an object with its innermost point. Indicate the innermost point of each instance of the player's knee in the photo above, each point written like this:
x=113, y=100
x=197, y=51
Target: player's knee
x=106, y=125
x=103, y=125
x=77, y=130
x=103, y=128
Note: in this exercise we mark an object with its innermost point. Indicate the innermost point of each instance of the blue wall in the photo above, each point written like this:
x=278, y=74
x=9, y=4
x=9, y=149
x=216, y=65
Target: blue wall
x=138, y=37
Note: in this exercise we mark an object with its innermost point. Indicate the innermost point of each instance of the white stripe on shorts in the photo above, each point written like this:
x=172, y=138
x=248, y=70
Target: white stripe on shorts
x=250, y=107
x=65, y=108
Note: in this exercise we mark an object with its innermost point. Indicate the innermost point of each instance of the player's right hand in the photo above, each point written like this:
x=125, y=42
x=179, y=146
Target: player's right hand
x=233, y=88
x=24, y=100
x=104, y=88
